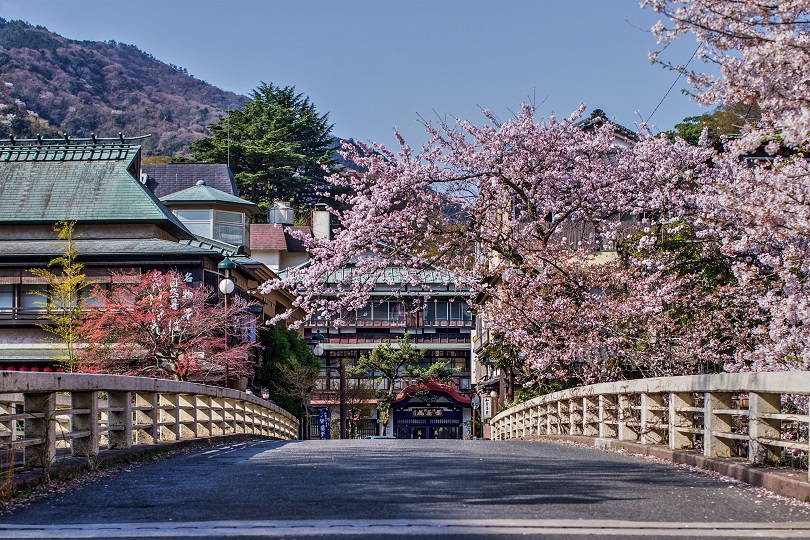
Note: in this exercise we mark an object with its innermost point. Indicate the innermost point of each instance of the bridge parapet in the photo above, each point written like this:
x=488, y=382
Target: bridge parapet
x=724, y=415
x=40, y=412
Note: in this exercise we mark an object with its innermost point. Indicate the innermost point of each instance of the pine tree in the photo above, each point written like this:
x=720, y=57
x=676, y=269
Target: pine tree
x=280, y=147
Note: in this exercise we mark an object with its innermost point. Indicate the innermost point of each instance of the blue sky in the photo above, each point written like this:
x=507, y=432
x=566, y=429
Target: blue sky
x=378, y=65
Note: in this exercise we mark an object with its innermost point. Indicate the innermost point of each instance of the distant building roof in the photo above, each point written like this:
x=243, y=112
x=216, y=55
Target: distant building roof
x=268, y=236
x=48, y=181
x=173, y=177
x=203, y=193
x=598, y=117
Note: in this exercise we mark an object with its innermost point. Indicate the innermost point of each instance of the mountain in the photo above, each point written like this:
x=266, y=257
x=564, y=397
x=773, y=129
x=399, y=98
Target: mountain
x=53, y=85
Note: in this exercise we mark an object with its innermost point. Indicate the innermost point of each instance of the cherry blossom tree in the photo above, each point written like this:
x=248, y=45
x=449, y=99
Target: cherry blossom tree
x=158, y=326
x=517, y=212
x=530, y=217
x=758, y=207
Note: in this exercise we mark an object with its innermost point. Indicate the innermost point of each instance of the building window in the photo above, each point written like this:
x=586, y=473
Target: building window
x=380, y=311
x=365, y=313
x=33, y=298
x=229, y=227
x=196, y=221
x=6, y=298
x=397, y=312
x=86, y=296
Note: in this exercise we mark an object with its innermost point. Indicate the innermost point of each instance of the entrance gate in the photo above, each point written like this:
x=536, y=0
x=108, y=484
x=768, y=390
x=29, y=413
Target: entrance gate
x=429, y=411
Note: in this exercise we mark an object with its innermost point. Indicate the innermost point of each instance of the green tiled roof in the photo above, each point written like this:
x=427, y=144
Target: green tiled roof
x=106, y=246
x=78, y=182
x=204, y=194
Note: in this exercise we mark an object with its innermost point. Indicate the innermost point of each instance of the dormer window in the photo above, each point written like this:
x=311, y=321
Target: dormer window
x=229, y=227
x=213, y=214
x=197, y=221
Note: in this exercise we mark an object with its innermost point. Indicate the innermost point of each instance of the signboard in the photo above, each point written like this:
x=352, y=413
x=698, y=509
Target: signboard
x=323, y=424
x=486, y=409
x=427, y=412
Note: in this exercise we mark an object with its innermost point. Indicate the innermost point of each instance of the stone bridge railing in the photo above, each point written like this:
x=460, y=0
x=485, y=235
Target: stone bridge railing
x=724, y=415
x=80, y=413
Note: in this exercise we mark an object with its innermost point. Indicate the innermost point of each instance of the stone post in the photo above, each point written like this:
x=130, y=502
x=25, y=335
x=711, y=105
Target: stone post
x=119, y=420
x=652, y=406
x=84, y=420
x=761, y=427
x=42, y=427
x=716, y=421
x=680, y=418
x=146, y=418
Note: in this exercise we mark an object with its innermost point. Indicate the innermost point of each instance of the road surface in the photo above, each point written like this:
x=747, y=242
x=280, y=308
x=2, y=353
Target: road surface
x=408, y=489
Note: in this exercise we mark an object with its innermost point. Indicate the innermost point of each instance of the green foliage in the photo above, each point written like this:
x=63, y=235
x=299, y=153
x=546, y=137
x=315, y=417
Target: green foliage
x=18, y=35
x=62, y=306
x=723, y=121
x=288, y=367
x=279, y=146
x=437, y=371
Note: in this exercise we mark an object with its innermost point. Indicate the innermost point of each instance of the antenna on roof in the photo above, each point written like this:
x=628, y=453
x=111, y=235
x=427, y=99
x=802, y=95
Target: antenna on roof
x=229, y=141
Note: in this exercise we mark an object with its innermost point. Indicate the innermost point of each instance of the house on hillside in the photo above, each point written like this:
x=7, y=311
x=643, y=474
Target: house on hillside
x=121, y=227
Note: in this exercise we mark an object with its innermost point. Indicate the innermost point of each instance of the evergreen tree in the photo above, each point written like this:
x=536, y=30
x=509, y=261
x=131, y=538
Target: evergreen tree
x=288, y=368
x=725, y=120
x=280, y=147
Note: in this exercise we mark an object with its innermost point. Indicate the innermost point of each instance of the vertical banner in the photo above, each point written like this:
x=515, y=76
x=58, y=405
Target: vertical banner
x=486, y=410
x=323, y=424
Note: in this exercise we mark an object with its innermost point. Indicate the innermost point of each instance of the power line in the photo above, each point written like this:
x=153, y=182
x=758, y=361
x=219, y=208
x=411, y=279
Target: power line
x=673, y=84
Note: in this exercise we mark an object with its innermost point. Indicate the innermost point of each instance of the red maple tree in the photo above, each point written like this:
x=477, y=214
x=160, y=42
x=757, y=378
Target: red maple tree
x=156, y=325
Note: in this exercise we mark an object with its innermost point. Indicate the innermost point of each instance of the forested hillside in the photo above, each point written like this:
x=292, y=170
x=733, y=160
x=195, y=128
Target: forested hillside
x=50, y=85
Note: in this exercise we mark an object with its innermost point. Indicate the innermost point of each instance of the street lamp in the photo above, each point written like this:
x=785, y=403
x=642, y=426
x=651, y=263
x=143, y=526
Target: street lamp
x=317, y=350
x=226, y=287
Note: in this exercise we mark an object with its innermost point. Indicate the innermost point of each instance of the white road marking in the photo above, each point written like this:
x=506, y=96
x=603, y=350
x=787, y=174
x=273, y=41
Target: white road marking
x=488, y=528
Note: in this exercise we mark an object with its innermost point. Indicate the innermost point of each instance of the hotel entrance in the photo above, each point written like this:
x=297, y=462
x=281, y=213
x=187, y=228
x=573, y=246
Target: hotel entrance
x=429, y=411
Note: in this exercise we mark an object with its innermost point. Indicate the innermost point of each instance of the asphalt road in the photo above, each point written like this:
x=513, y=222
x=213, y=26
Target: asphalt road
x=407, y=489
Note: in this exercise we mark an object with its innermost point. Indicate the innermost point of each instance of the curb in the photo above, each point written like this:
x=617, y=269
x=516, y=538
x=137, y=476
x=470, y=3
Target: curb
x=782, y=481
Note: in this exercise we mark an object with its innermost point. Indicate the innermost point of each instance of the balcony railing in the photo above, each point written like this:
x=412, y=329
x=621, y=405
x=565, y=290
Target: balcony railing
x=392, y=323
x=361, y=338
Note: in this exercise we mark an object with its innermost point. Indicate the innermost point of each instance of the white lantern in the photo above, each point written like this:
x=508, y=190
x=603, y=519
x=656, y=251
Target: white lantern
x=318, y=350
x=226, y=286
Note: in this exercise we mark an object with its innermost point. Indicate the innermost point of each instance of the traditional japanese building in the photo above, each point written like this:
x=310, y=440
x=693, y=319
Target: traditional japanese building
x=435, y=315
x=121, y=227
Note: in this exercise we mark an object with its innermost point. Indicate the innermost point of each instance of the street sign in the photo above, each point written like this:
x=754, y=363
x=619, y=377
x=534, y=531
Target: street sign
x=475, y=402
x=486, y=412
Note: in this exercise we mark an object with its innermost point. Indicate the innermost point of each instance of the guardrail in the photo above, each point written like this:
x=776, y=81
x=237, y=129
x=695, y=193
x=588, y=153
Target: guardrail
x=40, y=412
x=725, y=415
